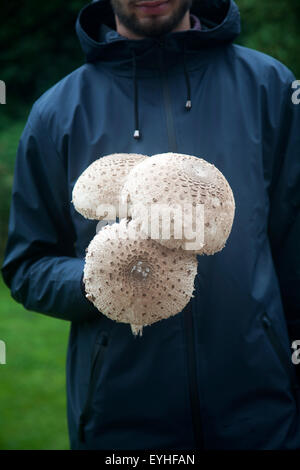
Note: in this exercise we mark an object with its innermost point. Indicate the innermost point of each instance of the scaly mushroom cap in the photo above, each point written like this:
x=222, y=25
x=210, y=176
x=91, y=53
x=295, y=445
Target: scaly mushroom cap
x=135, y=280
x=101, y=183
x=179, y=181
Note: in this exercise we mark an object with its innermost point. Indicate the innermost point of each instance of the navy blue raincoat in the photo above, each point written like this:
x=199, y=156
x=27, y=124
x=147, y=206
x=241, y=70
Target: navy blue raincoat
x=219, y=374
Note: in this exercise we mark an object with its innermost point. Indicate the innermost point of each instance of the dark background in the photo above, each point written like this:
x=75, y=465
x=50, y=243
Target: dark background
x=38, y=46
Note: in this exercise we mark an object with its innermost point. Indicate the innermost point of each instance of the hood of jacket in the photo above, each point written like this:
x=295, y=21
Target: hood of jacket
x=96, y=30
x=95, y=26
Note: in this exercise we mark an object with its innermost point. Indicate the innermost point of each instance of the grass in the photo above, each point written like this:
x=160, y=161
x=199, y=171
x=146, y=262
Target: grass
x=32, y=382
x=10, y=133
x=32, y=392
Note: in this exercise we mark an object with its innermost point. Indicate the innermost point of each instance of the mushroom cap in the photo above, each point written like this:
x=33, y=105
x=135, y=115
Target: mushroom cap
x=135, y=280
x=101, y=183
x=190, y=185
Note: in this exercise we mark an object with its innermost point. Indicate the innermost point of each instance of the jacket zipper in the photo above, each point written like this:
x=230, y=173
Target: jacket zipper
x=97, y=361
x=279, y=350
x=187, y=313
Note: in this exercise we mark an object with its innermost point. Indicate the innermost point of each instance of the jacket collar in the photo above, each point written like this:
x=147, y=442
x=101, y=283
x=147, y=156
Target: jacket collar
x=100, y=41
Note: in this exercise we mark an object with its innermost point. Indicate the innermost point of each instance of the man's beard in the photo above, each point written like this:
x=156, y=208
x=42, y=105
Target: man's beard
x=152, y=28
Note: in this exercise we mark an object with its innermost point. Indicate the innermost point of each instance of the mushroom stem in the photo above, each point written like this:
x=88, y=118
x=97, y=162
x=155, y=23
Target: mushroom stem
x=136, y=330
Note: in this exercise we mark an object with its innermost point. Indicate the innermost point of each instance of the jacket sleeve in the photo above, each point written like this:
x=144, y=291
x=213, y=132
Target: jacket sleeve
x=284, y=215
x=40, y=266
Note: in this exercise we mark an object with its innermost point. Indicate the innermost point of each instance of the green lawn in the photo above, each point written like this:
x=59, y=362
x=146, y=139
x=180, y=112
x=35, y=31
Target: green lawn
x=10, y=133
x=32, y=382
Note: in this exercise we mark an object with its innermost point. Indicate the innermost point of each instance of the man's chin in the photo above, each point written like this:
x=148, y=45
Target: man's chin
x=150, y=28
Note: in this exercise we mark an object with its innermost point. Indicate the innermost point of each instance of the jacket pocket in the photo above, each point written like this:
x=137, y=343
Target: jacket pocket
x=97, y=362
x=285, y=360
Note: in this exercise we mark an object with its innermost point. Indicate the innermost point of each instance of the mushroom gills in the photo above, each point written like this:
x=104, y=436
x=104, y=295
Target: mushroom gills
x=133, y=279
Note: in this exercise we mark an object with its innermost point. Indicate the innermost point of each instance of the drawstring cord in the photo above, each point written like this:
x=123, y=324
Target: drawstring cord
x=136, y=133
x=188, y=104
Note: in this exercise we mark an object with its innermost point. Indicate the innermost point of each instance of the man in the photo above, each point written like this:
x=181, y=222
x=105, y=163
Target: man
x=165, y=77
